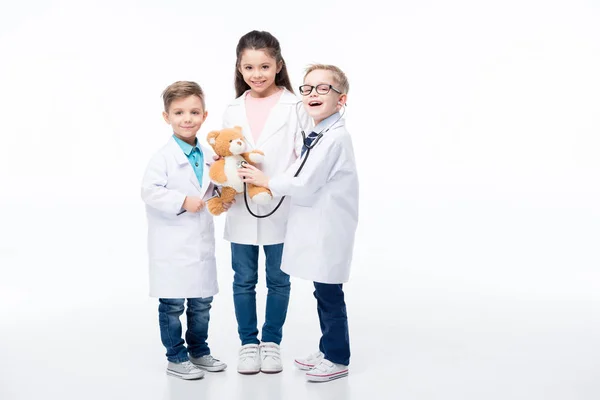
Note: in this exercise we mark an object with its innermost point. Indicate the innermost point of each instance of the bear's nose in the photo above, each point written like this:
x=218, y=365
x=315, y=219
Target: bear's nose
x=239, y=143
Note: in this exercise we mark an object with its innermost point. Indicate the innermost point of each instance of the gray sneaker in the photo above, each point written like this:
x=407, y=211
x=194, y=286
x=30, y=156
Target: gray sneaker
x=208, y=363
x=184, y=370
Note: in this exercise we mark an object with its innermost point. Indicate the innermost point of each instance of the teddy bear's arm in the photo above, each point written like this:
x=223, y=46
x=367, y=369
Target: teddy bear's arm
x=217, y=172
x=254, y=157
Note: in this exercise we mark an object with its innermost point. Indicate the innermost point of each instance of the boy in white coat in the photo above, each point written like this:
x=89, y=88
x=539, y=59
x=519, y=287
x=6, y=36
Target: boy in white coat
x=181, y=239
x=323, y=216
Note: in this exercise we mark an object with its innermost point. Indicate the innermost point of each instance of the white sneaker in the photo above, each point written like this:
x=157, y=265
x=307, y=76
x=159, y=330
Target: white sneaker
x=249, y=359
x=208, y=363
x=309, y=362
x=184, y=370
x=270, y=358
x=326, y=371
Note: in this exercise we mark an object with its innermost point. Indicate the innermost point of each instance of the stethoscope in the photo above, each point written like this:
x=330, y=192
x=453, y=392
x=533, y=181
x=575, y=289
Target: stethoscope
x=309, y=143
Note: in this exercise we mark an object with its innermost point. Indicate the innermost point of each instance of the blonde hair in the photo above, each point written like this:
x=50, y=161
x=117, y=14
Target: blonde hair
x=338, y=75
x=180, y=90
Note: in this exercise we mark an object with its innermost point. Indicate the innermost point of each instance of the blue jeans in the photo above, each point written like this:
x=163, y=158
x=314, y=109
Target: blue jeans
x=335, y=342
x=169, y=311
x=244, y=260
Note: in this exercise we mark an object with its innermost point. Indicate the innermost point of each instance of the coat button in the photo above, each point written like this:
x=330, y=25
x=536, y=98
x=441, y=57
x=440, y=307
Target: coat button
x=196, y=164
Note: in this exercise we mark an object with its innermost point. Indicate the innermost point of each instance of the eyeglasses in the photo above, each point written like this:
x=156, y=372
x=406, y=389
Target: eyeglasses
x=322, y=88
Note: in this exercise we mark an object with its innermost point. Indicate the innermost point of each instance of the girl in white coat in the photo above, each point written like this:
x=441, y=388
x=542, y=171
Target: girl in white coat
x=265, y=108
x=181, y=245
x=323, y=216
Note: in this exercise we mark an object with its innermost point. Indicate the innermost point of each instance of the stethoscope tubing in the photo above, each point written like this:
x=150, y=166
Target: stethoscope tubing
x=309, y=147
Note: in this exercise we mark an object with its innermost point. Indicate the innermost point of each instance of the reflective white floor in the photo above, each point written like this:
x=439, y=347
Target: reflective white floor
x=76, y=323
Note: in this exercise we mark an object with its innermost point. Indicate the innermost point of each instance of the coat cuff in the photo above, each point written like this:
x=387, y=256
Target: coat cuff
x=180, y=198
x=280, y=185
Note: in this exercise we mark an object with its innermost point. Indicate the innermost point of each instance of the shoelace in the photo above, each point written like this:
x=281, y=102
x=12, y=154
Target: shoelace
x=189, y=367
x=269, y=351
x=210, y=359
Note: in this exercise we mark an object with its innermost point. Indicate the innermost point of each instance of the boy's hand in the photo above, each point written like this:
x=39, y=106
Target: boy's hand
x=251, y=174
x=193, y=204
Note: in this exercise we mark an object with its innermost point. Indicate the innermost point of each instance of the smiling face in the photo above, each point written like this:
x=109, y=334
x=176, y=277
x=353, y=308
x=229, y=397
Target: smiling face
x=321, y=106
x=186, y=115
x=258, y=69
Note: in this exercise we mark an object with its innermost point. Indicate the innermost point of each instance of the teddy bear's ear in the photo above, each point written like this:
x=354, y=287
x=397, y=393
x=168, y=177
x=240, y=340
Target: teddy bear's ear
x=212, y=136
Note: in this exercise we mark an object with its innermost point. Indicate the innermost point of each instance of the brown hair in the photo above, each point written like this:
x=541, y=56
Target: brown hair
x=260, y=40
x=338, y=75
x=180, y=90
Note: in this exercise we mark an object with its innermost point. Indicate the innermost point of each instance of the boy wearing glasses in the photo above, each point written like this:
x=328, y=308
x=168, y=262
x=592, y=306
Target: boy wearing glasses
x=323, y=216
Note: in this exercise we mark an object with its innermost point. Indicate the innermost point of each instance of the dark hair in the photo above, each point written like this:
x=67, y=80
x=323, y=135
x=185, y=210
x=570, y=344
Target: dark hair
x=260, y=40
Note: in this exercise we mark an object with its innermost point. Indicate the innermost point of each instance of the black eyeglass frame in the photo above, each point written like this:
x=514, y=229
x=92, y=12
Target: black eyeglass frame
x=329, y=87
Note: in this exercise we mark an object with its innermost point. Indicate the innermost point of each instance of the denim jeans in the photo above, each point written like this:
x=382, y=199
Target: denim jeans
x=169, y=311
x=335, y=342
x=244, y=260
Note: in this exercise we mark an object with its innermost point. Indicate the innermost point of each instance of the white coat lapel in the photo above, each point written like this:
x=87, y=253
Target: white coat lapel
x=338, y=125
x=239, y=114
x=183, y=162
x=207, y=153
x=279, y=116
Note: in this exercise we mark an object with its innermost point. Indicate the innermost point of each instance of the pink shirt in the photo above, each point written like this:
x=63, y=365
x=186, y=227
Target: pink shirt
x=258, y=110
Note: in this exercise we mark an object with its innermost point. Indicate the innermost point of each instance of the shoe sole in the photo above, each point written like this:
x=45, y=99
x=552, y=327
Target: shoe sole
x=252, y=372
x=326, y=378
x=211, y=369
x=185, y=377
x=274, y=371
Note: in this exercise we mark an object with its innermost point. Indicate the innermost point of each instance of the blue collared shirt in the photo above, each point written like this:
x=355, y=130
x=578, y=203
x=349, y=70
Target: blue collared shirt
x=327, y=122
x=194, y=156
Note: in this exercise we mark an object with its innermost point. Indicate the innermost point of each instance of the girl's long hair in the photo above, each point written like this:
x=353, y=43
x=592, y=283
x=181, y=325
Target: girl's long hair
x=260, y=40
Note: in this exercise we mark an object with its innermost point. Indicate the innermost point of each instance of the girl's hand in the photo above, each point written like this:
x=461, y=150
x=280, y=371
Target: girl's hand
x=251, y=174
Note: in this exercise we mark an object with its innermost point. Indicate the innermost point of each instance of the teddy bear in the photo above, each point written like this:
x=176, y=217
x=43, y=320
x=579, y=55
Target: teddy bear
x=230, y=145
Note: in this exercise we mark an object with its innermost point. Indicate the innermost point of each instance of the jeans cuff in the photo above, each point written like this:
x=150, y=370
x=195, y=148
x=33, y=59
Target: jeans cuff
x=178, y=360
x=204, y=353
x=268, y=339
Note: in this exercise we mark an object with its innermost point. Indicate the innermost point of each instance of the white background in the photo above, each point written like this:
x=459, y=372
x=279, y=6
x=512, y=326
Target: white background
x=476, y=130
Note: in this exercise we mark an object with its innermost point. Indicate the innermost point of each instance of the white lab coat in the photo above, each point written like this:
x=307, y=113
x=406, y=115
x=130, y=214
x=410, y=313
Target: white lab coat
x=281, y=141
x=324, y=210
x=181, y=249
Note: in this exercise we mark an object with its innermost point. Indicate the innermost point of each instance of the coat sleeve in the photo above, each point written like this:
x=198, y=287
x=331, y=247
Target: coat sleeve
x=313, y=176
x=154, y=190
